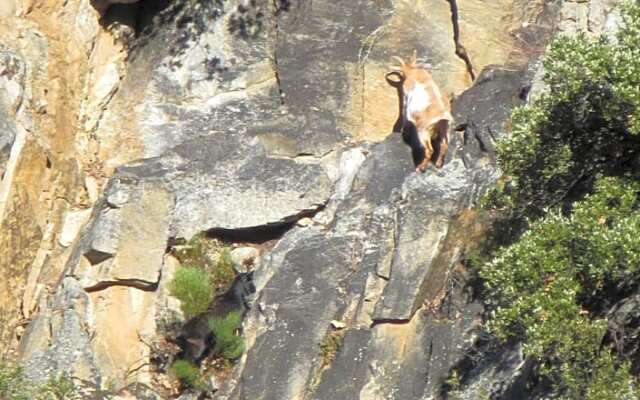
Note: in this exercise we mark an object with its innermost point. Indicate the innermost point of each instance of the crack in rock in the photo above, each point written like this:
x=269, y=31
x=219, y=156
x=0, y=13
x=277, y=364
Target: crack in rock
x=461, y=52
x=133, y=283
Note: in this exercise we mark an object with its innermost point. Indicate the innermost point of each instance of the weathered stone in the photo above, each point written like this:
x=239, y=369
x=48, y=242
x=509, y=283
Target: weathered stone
x=7, y=136
x=244, y=256
x=348, y=372
x=306, y=297
x=68, y=348
x=74, y=221
x=136, y=391
x=422, y=225
x=103, y=242
x=401, y=361
x=338, y=324
x=482, y=112
x=12, y=76
x=125, y=243
x=624, y=328
x=206, y=175
x=501, y=373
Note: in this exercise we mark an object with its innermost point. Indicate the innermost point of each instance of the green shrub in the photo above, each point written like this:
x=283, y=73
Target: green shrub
x=544, y=288
x=228, y=344
x=587, y=122
x=14, y=386
x=192, y=286
x=188, y=374
x=569, y=233
x=58, y=387
x=210, y=255
x=12, y=383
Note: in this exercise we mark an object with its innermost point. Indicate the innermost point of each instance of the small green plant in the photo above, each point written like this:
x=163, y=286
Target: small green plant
x=188, y=374
x=329, y=347
x=223, y=272
x=228, y=344
x=12, y=383
x=211, y=255
x=453, y=384
x=192, y=286
x=58, y=387
x=14, y=386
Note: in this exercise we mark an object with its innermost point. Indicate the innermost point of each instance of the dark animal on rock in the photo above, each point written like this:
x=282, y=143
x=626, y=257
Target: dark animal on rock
x=196, y=338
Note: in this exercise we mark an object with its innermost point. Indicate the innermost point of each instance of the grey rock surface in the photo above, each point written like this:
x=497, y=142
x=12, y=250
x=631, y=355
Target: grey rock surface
x=204, y=176
x=305, y=295
x=7, y=136
x=396, y=224
x=68, y=347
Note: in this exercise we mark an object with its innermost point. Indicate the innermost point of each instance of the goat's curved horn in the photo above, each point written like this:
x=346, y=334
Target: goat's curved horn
x=394, y=82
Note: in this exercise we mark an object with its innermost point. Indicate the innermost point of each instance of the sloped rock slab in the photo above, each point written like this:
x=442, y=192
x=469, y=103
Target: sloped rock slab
x=227, y=182
x=481, y=112
x=429, y=203
x=7, y=136
x=58, y=340
x=349, y=372
x=401, y=361
x=316, y=43
x=300, y=301
x=395, y=223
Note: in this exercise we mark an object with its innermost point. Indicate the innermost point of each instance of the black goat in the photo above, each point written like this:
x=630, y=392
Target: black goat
x=196, y=338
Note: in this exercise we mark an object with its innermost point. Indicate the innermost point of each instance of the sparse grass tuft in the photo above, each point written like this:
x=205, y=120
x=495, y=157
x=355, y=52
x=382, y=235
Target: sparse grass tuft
x=329, y=347
x=212, y=256
x=14, y=386
x=223, y=272
x=188, y=374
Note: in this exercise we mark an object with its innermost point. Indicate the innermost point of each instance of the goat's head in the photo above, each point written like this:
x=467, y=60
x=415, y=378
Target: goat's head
x=398, y=73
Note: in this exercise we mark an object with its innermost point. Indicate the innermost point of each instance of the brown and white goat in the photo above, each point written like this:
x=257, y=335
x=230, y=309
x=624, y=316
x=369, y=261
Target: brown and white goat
x=424, y=106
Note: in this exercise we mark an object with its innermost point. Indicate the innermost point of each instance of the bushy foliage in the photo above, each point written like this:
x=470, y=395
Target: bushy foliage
x=228, y=344
x=14, y=386
x=570, y=208
x=211, y=255
x=192, y=286
x=188, y=374
x=548, y=287
x=586, y=122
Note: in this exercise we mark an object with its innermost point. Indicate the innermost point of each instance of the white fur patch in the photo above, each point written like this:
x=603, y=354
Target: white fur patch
x=417, y=100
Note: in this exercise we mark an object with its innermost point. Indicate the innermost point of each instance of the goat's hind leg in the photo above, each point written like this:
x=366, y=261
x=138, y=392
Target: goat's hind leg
x=442, y=135
x=425, y=142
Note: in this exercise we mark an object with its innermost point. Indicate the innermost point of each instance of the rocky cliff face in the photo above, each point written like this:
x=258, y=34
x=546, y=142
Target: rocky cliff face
x=126, y=125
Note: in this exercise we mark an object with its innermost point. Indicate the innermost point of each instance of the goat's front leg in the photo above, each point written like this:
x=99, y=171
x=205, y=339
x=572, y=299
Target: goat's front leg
x=442, y=133
x=425, y=141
